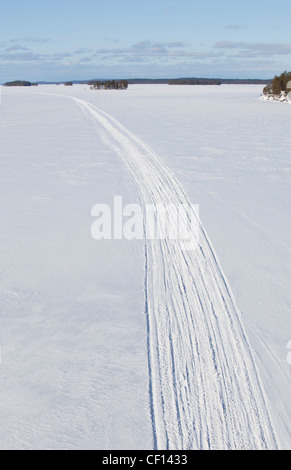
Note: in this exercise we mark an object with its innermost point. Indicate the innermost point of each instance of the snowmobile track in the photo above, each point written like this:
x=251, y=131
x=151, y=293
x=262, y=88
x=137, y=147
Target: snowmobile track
x=205, y=392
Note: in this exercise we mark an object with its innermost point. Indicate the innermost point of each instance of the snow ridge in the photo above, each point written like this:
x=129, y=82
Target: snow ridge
x=205, y=392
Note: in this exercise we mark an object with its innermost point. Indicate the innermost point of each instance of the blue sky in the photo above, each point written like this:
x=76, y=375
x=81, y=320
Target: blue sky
x=69, y=39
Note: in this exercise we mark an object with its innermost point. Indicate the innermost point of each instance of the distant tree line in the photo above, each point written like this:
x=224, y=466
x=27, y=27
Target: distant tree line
x=109, y=85
x=217, y=81
x=148, y=81
x=244, y=81
x=280, y=85
x=195, y=81
x=20, y=83
x=198, y=81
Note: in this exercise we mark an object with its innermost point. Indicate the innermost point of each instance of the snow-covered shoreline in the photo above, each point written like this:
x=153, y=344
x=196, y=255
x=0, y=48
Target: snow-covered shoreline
x=282, y=98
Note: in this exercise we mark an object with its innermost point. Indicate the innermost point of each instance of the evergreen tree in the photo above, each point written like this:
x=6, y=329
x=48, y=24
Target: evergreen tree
x=276, y=85
x=279, y=84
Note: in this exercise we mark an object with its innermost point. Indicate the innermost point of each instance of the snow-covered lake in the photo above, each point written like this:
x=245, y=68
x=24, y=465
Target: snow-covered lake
x=78, y=358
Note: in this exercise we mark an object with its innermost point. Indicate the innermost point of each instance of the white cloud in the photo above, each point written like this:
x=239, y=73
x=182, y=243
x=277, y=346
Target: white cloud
x=233, y=26
x=16, y=47
x=30, y=39
x=255, y=49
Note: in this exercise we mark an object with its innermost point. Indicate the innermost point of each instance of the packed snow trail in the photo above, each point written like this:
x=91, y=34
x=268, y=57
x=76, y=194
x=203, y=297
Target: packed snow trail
x=205, y=392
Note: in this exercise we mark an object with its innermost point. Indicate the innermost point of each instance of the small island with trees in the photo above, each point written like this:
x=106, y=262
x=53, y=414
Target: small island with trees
x=20, y=83
x=279, y=89
x=108, y=85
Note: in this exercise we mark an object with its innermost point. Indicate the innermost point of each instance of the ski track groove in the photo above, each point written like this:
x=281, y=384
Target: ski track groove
x=205, y=392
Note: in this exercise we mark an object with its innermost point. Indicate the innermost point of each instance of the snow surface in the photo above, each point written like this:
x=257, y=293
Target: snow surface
x=79, y=342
